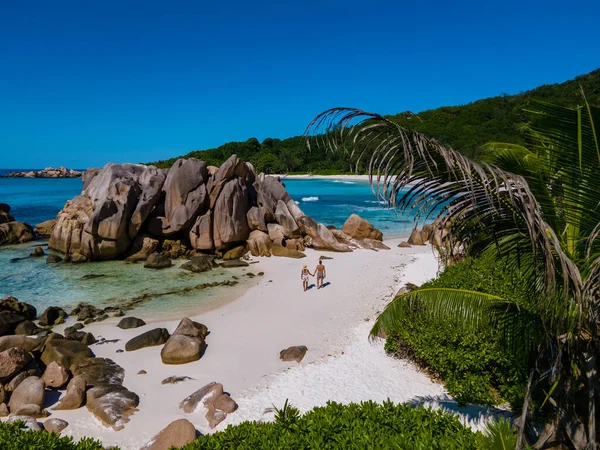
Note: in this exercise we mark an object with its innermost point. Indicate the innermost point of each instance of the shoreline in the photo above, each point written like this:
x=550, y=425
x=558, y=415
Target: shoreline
x=309, y=176
x=247, y=334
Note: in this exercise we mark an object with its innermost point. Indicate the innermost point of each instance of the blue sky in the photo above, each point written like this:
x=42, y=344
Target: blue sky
x=84, y=83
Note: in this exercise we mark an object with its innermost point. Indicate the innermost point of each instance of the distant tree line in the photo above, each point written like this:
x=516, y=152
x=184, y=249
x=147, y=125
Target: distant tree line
x=465, y=128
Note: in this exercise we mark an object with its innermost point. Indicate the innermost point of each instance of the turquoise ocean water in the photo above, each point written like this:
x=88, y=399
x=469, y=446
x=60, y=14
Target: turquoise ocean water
x=30, y=279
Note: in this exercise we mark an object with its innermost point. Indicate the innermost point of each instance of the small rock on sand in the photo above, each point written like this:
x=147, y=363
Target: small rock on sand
x=294, y=353
x=55, y=425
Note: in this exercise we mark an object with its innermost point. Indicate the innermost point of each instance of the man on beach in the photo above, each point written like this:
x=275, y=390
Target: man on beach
x=320, y=272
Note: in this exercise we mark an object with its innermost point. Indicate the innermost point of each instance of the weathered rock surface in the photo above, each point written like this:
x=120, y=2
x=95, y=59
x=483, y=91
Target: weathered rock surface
x=256, y=219
x=28, y=398
x=55, y=425
x=201, y=234
x=207, y=393
x=188, y=327
x=75, y=395
x=235, y=253
x=322, y=237
x=5, y=215
x=416, y=238
x=112, y=404
x=278, y=249
x=11, y=304
x=37, y=252
x=55, y=375
x=201, y=263
x=129, y=209
x=404, y=244
x=98, y=371
x=130, y=322
x=9, y=322
x=359, y=228
x=52, y=316
x=48, y=172
x=226, y=404
x=294, y=353
x=12, y=361
x=149, y=246
x=53, y=259
x=286, y=220
x=65, y=352
x=158, y=336
x=15, y=233
x=185, y=195
x=157, y=261
x=229, y=215
x=44, y=229
x=217, y=403
x=182, y=350
x=234, y=263
x=26, y=328
x=259, y=243
x=276, y=232
x=102, y=221
x=176, y=434
x=186, y=344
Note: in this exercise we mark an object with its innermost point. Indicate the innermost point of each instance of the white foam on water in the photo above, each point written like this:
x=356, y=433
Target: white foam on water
x=310, y=199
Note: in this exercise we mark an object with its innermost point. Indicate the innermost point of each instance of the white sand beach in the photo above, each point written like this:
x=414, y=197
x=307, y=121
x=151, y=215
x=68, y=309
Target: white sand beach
x=247, y=335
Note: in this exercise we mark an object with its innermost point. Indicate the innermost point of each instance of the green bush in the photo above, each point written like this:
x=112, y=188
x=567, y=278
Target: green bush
x=15, y=436
x=474, y=365
x=354, y=426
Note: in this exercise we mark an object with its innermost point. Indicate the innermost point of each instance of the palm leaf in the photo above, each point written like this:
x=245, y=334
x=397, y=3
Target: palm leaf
x=479, y=203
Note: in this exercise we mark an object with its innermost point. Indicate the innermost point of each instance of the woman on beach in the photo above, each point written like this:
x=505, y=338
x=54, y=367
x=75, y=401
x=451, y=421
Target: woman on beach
x=304, y=276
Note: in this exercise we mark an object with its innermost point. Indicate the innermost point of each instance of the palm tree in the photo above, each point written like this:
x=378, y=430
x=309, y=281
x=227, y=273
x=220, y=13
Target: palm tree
x=535, y=209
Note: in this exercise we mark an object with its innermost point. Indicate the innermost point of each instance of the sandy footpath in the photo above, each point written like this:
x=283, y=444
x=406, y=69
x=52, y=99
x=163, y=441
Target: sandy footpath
x=247, y=335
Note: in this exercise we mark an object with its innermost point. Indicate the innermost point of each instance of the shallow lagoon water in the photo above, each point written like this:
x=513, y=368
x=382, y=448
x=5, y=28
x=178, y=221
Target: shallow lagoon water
x=30, y=279
x=168, y=293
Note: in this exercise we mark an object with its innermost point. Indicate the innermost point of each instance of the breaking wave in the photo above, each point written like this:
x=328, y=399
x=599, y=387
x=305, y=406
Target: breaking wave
x=310, y=199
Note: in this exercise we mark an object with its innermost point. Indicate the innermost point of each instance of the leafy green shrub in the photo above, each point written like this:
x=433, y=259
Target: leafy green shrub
x=15, y=436
x=354, y=426
x=499, y=434
x=474, y=365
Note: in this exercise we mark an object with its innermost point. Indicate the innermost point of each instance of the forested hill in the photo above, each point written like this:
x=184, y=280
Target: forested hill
x=464, y=128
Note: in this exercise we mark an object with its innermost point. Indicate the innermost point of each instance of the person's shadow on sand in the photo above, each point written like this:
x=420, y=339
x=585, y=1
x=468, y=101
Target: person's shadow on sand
x=326, y=284
x=310, y=286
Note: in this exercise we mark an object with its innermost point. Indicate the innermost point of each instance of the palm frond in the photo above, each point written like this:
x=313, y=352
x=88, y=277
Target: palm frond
x=476, y=200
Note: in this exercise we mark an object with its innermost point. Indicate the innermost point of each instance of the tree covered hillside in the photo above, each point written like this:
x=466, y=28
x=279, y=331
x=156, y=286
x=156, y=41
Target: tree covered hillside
x=464, y=128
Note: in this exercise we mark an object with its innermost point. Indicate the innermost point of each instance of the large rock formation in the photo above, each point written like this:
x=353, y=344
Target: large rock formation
x=131, y=210
x=102, y=222
x=48, y=172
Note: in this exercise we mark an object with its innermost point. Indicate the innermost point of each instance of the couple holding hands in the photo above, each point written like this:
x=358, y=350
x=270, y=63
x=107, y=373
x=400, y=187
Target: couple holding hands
x=319, y=271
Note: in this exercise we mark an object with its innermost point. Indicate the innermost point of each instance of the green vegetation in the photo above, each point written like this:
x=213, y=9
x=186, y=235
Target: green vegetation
x=335, y=426
x=354, y=426
x=473, y=363
x=498, y=119
x=15, y=436
x=535, y=210
x=465, y=128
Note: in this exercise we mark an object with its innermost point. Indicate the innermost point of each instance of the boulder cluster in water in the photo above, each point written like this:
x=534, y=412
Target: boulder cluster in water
x=11, y=231
x=133, y=211
x=48, y=172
